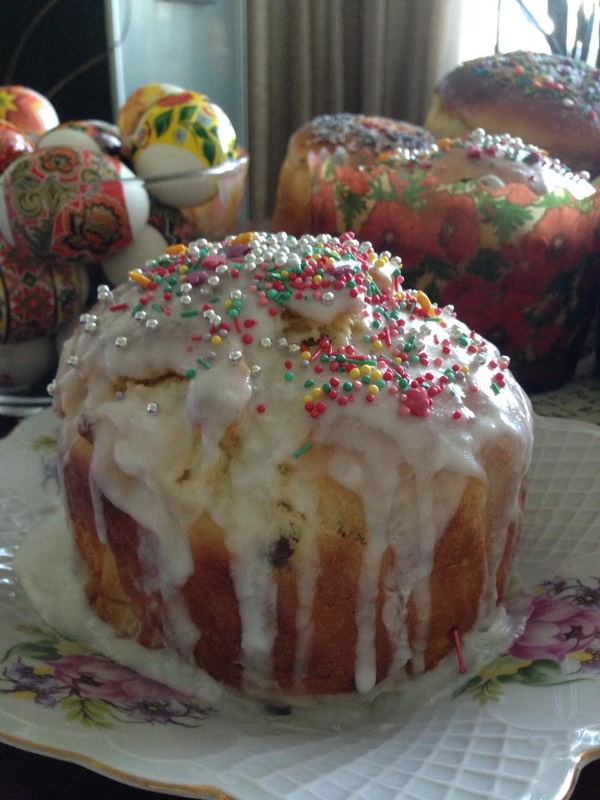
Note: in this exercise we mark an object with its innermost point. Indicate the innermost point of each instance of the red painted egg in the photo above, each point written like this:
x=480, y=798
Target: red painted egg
x=13, y=143
x=71, y=203
x=37, y=295
x=29, y=110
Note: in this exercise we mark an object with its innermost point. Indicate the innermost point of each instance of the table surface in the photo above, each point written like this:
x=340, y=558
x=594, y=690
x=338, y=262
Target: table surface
x=29, y=776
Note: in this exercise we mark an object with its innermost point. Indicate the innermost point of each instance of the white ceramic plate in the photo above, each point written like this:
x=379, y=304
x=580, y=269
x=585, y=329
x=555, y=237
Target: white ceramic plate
x=521, y=727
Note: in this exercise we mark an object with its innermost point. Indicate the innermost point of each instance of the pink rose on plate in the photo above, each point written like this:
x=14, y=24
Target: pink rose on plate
x=555, y=628
x=99, y=678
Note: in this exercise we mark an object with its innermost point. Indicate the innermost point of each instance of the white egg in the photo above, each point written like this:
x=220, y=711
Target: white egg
x=148, y=244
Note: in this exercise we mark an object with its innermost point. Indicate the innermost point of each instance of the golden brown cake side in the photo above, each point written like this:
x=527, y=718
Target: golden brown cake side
x=464, y=562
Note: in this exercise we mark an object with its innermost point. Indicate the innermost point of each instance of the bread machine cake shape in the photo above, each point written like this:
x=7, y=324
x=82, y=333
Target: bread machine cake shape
x=287, y=467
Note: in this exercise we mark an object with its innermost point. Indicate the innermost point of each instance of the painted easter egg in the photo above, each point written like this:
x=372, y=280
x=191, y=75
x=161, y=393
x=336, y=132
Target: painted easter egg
x=37, y=295
x=147, y=245
x=90, y=134
x=29, y=110
x=179, y=144
x=13, y=143
x=71, y=203
x=140, y=100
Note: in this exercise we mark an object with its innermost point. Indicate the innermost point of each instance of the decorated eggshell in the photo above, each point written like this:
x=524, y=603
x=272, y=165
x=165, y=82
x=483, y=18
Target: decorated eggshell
x=23, y=364
x=90, y=134
x=180, y=134
x=29, y=110
x=37, y=295
x=13, y=143
x=71, y=203
x=148, y=244
x=137, y=103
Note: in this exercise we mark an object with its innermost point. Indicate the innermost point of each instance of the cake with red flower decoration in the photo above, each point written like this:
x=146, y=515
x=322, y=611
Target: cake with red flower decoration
x=491, y=225
x=355, y=140
x=548, y=99
x=287, y=467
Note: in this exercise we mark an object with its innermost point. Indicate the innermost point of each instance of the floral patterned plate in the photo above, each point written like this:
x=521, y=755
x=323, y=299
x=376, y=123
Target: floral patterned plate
x=522, y=725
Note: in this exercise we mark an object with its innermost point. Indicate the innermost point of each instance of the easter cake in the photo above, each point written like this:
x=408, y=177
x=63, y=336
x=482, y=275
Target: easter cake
x=550, y=100
x=356, y=140
x=288, y=468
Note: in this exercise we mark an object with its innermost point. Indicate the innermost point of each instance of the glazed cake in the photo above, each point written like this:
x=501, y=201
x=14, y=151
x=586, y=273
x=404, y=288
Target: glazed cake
x=287, y=467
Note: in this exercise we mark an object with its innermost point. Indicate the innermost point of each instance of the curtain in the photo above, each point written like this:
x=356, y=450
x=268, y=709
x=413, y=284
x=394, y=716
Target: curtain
x=310, y=57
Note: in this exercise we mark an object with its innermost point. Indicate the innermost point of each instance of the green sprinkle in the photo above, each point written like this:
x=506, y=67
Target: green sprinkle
x=495, y=388
x=289, y=376
x=308, y=383
x=303, y=450
x=189, y=313
x=191, y=373
x=204, y=363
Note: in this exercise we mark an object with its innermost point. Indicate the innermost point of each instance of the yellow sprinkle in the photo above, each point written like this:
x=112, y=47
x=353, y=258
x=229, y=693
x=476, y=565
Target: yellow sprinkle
x=143, y=280
x=317, y=392
x=308, y=398
x=373, y=389
x=318, y=278
x=465, y=369
x=176, y=249
x=445, y=144
x=380, y=262
x=372, y=256
x=376, y=375
x=183, y=270
x=425, y=302
x=216, y=340
x=228, y=303
x=354, y=373
x=377, y=344
x=244, y=238
x=365, y=369
x=305, y=356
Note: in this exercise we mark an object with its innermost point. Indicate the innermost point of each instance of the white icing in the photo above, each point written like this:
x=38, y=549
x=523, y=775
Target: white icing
x=192, y=418
x=48, y=567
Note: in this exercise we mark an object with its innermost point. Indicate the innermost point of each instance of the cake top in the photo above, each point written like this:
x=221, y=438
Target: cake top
x=373, y=133
x=324, y=323
x=496, y=160
x=566, y=82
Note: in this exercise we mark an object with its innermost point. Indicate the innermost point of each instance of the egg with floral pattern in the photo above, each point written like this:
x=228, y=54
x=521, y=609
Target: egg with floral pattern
x=13, y=143
x=38, y=295
x=139, y=101
x=71, y=203
x=178, y=144
x=29, y=110
x=90, y=134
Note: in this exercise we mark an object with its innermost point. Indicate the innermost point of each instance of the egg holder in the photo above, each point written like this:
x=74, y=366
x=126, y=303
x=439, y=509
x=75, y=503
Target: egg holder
x=28, y=355
x=523, y=270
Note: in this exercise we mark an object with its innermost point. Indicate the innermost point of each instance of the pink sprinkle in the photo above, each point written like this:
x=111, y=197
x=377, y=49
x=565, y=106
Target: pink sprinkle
x=418, y=402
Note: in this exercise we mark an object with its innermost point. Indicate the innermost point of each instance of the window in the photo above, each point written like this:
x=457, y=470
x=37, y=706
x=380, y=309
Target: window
x=506, y=25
